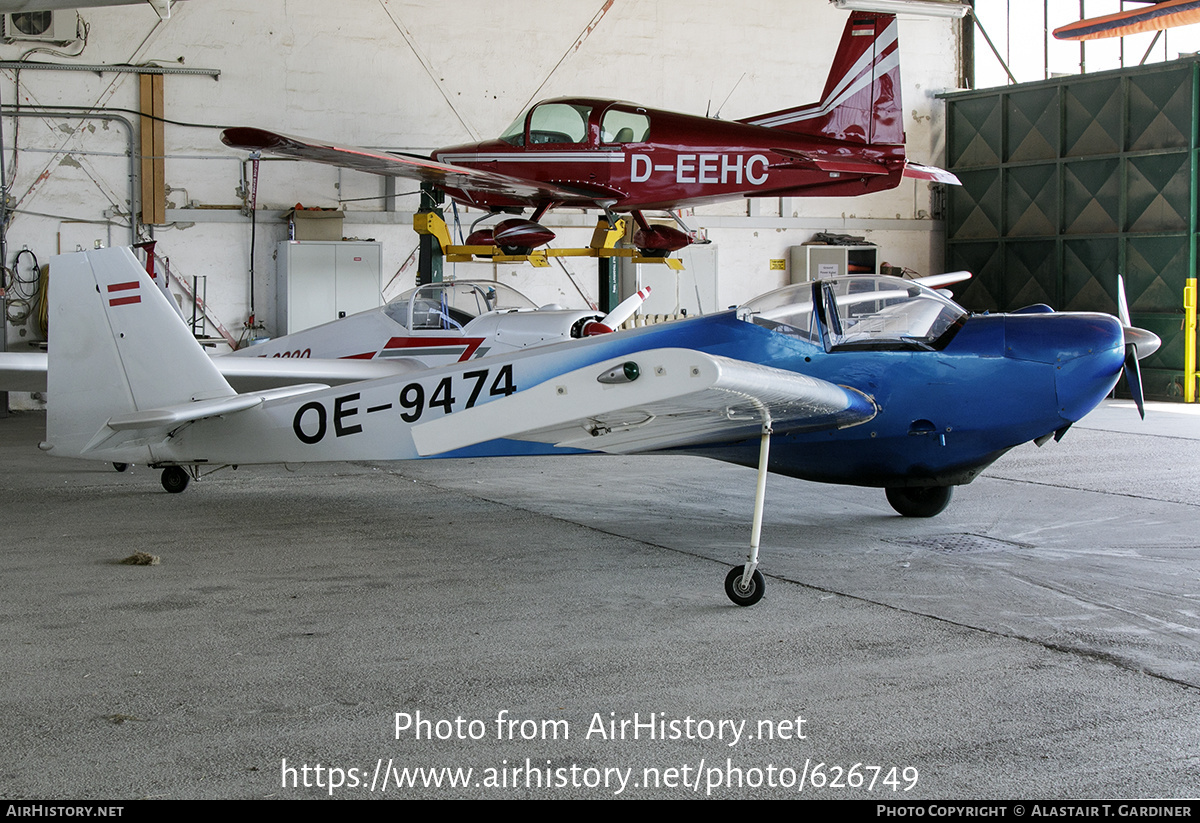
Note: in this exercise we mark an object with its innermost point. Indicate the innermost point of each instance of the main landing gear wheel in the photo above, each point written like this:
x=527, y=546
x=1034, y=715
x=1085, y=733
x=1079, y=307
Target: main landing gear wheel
x=744, y=595
x=175, y=479
x=920, y=501
x=120, y=466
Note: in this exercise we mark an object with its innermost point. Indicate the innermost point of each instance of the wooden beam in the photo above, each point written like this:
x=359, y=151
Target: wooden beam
x=153, y=150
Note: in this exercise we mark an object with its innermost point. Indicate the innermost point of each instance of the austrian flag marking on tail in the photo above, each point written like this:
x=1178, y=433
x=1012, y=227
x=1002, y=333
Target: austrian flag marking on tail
x=118, y=296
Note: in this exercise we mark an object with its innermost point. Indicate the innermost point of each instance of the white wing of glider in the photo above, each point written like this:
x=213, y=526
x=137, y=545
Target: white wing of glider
x=679, y=397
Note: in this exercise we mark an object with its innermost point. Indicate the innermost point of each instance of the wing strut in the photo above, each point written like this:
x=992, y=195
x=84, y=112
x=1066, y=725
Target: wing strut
x=744, y=585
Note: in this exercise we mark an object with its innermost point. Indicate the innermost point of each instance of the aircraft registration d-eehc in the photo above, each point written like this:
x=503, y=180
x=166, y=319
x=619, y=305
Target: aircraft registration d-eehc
x=865, y=380
x=621, y=157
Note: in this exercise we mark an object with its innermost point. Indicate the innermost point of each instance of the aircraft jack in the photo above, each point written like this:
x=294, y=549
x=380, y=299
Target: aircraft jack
x=603, y=245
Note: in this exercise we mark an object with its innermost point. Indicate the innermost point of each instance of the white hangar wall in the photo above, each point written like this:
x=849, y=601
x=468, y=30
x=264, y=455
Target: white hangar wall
x=414, y=76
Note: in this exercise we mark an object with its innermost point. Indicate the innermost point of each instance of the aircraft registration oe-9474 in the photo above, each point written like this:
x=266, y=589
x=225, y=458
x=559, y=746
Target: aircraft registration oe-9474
x=865, y=380
x=622, y=157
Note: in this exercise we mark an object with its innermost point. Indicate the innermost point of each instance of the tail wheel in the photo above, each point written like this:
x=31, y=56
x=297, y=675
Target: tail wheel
x=919, y=501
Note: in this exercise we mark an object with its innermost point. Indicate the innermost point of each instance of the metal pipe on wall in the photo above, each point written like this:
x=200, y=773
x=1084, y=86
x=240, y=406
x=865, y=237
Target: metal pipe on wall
x=134, y=178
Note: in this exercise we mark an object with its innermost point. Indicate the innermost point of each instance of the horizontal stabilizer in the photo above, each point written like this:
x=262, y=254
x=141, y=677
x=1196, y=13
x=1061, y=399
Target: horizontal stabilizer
x=173, y=417
x=150, y=424
x=656, y=399
x=919, y=171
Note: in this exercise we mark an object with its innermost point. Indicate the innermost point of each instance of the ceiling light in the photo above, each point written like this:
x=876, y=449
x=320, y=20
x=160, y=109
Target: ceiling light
x=924, y=8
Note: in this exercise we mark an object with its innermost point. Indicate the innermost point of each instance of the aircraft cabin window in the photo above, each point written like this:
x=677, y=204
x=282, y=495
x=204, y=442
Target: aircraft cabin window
x=559, y=123
x=624, y=127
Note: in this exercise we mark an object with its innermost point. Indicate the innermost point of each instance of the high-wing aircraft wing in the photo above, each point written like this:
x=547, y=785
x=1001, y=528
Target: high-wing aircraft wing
x=413, y=167
x=677, y=397
x=1152, y=17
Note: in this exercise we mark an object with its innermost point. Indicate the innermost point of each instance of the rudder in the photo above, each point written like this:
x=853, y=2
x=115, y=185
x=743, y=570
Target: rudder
x=861, y=102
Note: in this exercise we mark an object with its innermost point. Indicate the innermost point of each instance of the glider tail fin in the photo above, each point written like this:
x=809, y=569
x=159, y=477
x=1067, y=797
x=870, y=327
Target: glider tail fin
x=861, y=102
x=114, y=334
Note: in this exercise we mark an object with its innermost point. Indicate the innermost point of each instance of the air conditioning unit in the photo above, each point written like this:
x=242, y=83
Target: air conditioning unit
x=57, y=26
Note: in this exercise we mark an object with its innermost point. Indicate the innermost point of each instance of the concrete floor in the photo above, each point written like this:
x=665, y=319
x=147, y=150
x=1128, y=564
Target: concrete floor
x=1040, y=639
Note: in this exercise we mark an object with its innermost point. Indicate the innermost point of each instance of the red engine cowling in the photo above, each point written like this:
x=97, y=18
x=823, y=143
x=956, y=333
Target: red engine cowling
x=517, y=233
x=660, y=240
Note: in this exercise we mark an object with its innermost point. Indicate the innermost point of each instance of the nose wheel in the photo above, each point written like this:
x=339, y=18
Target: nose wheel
x=919, y=501
x=740, y=591
x=744, y=584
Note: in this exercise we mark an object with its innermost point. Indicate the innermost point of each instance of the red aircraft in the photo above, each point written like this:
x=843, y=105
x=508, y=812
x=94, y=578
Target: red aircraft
x=621, y=157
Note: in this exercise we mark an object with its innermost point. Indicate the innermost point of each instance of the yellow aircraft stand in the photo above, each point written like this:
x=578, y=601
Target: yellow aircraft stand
x=603, y=245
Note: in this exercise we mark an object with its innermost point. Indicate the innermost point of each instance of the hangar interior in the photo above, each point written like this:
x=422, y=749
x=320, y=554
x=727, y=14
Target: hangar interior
x=1038, y=639
x=82, y=168
x=408, y=76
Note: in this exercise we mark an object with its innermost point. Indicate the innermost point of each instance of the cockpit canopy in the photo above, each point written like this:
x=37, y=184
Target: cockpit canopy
x=562, y=121
x=451, y=305
x=859, y=312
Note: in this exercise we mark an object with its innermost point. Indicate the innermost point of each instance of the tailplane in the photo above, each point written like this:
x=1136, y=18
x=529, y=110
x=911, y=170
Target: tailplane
x=861, y=101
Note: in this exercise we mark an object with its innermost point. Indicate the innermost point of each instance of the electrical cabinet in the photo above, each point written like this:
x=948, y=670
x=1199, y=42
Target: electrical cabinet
x=320, y=281
x=813, y=262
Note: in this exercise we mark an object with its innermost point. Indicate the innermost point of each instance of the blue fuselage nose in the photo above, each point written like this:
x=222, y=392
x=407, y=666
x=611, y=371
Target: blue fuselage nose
x=1086, y=350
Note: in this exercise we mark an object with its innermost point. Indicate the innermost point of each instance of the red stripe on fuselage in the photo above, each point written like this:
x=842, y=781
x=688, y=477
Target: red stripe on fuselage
x=471, y=343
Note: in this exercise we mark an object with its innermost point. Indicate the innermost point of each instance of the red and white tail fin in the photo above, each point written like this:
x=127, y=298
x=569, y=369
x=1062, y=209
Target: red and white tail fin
x=861, y=101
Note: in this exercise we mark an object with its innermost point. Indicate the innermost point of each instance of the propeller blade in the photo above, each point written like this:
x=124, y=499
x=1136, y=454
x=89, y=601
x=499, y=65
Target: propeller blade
x=619, y=315
x=1133, y=376
x=935, y=281
x=1122, y=302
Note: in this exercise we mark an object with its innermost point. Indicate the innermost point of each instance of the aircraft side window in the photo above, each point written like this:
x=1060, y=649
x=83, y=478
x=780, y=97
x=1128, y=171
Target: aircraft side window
x=429, y=314
x=559, y=123
x=624, y=127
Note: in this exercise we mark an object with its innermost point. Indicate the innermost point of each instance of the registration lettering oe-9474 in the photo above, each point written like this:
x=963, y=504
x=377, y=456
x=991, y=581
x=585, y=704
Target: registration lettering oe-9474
x=312, y=420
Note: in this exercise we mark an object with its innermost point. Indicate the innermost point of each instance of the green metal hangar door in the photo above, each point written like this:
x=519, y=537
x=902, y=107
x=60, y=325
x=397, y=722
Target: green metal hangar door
x=1067, y=183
